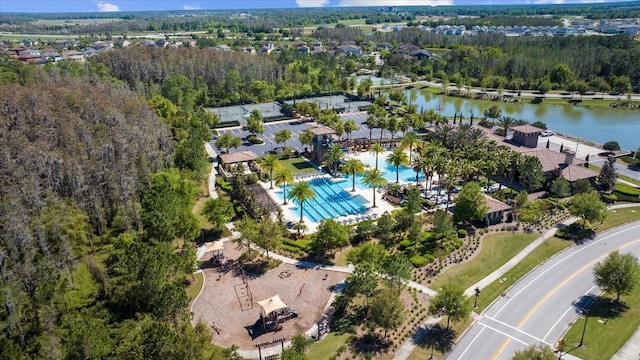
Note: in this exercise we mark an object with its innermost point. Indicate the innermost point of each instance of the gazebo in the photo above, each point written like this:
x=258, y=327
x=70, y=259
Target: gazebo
x=215, y=248
x=274, y=311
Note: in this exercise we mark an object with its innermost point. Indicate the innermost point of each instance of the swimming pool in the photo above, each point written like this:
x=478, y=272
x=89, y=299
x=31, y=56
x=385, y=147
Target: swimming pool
x=405, y=173
x=331, y=200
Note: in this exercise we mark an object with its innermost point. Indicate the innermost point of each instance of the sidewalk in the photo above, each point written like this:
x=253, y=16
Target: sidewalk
x=631, y=349
x=409, y=345
x=518, y=258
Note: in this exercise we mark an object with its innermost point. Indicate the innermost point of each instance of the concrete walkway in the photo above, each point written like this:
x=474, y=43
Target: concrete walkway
x=631, y=349
x=405, y=350
x=517, y=259
x=409, y=345
x=212, y=175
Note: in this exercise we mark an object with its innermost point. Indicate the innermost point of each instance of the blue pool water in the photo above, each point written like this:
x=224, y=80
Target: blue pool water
x=331, y=201
x=405, y=173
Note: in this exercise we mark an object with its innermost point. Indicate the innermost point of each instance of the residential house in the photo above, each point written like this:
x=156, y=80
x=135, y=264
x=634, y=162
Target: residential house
x=223, y=47
x=73, y=55
x=349, y=50
x=248, y=50
x=304, y=49
x=421, y=54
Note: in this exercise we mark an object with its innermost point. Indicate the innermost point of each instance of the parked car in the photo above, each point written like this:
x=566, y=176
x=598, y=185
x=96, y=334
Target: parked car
x=546, y=133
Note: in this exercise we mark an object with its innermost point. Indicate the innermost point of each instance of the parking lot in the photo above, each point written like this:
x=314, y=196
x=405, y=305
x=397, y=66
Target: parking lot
x=296, y=127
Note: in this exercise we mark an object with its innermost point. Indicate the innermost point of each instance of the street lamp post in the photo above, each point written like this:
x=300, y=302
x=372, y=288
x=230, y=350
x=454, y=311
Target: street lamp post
x=584, y=328
x=475, y=303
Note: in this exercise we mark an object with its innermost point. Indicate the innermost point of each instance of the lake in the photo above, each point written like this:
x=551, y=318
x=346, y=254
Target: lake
x=597, y=125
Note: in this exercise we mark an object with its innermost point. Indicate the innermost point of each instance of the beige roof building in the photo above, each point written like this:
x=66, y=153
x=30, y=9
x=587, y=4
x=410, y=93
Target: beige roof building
x=237, y=157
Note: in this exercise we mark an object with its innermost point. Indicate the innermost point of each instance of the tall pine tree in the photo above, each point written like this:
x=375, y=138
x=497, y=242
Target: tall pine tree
x=608, y=176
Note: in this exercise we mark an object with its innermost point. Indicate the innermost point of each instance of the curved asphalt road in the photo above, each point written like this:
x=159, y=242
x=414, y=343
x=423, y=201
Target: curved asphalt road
x=539, y=307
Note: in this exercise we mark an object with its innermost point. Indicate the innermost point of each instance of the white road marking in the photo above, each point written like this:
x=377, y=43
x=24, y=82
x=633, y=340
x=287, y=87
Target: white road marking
x=565, y=313
x=471, y=343
x=505, y=334
x=558, y=263
x=516, y=329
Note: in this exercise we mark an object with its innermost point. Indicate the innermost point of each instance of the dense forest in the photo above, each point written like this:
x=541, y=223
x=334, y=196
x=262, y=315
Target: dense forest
x=219, y=77
x=94, y=188
x=523, y=62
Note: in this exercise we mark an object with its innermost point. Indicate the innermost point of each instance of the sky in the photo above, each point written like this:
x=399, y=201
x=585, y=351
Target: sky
x=48, y=6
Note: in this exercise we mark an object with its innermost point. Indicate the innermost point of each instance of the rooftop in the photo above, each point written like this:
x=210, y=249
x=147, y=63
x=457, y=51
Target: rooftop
x=550, y=160
x=527, y=129
x=236, y=157
x=495, y=205
x=322, y=130
x=574, y=173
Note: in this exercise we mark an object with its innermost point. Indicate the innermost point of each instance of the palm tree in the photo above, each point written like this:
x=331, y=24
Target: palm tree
x=425, y=164
x=475, y=135
x=443, y=133
x=372, y=122
x=333, y=155
x=270, y=163
x=506, y=123
x=383, y=123
x=301, y=191
x=353, y=167
x=376, y=149
x=373, y=179
x=284, y=176
x=396, y=158
x=409, y=141
x=393, y=125
x=449, y=184
x=349, y=127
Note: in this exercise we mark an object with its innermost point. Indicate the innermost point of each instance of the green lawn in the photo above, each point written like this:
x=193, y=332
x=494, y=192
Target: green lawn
x=602, y=340
x=537, y=256
x=297, y=165
x=496, y=250
x=194, y=288
x=618, y=217
x=327, y=347
x=586, y=102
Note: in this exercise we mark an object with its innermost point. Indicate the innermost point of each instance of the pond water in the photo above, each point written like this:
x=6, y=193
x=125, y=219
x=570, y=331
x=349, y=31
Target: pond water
x=597, y=125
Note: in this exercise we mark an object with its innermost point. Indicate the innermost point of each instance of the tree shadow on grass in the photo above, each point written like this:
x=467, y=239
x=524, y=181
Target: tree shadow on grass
x=439, y=338
x=370, y=343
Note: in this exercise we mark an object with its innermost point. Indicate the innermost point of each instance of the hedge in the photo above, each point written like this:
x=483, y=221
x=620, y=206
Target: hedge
x=627, y=190
x=299, y=244
x=418, y=261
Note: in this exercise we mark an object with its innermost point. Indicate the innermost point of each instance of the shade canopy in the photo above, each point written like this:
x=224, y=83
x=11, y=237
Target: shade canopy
x=214, y=246
x=272, y=304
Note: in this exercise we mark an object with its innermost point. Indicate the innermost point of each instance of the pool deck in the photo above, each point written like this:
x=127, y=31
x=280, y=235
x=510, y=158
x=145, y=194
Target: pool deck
x=291, y=213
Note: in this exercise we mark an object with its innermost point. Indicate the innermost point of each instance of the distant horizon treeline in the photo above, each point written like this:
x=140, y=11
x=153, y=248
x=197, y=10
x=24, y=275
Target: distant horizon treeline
x=267, y=20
